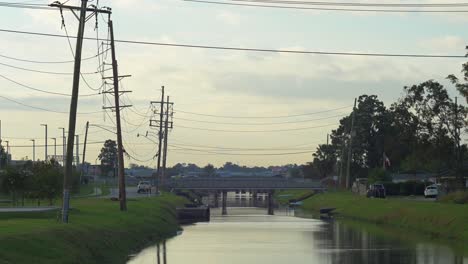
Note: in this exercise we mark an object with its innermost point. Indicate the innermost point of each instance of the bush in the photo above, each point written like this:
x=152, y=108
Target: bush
x=379, y=175
x=460, y=197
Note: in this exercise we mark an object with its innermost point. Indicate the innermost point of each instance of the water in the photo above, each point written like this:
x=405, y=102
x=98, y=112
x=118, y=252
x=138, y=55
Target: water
x=248, y=235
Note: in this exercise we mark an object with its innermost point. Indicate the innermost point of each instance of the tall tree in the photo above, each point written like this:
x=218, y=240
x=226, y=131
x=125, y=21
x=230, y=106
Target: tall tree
x=325, y=160
x=108, y=156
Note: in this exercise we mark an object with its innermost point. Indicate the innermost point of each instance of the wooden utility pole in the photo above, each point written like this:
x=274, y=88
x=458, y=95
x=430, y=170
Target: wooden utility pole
x=166, y=133
x=350, y=146
x=121, y=168
x=84, y=152
x=74, y=98
x=160, y=137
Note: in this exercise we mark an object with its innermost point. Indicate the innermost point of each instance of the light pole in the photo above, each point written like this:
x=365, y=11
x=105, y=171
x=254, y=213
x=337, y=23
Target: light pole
x=34, y=149
x=55, y=148
x=63, y=144
x=45, y=139
x=95, y=175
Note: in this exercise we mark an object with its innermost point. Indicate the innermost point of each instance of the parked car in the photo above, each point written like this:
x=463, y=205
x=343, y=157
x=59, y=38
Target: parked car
x=431, y=191
x=144, y=186
x=376, y=190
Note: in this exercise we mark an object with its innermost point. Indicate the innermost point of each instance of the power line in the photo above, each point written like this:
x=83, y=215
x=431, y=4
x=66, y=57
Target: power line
x=236, y=149
x=255, y=131
x=249, y=49
x=43, y=109
x=46, y=62
x=44, y=72
x=40, y=90
x=259, y=124
x=329, y=9
x=244, y=154
x=261, y=117
x=330, y=3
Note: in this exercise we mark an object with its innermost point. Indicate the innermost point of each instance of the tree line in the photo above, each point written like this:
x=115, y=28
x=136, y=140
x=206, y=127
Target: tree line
x=421, y=131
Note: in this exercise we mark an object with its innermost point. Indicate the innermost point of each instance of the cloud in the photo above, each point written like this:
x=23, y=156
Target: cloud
x=445, y=44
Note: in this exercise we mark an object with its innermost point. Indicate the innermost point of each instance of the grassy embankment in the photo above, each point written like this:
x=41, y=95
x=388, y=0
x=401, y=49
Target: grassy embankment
x=283, y=197
x=431, y=218
x=97, y=233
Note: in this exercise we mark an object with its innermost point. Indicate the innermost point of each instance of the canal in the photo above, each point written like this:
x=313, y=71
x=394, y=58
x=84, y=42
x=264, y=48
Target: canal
x=248, y=235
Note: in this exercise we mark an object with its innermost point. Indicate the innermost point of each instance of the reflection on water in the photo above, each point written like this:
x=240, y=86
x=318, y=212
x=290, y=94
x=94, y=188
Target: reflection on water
x=248, y=235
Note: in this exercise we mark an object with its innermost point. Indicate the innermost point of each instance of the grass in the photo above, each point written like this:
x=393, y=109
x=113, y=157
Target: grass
x=96, y=233
x=283, y=197
x=430, y=218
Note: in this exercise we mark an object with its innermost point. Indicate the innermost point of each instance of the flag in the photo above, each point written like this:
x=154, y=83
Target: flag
x=386, y=161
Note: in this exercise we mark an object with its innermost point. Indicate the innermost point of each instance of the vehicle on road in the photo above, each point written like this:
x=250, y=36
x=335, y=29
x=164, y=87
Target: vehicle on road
x=376, y=190
x=144, y=186
x=431, y=191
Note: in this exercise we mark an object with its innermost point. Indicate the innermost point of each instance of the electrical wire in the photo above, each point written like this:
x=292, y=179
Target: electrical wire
x=246, y=154
x=329, y=9
x=44, y=72
x=44, y=109
x=46, y=62
x=43, y=91
x=255, y=131
x=249, y=49
x=330, y=3
x=264, y=117
x=236, y=149
x=259, y=124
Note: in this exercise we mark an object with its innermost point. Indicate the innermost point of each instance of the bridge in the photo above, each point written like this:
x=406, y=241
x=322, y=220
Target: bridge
x=255, y=185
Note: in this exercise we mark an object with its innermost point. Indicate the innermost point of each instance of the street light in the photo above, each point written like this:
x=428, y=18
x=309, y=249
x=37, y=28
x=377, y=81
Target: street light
x=55, y=148
x=34, y=149
x=45, y=153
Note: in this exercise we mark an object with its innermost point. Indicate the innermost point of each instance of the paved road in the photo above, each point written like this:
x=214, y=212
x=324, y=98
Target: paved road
x=132, y=192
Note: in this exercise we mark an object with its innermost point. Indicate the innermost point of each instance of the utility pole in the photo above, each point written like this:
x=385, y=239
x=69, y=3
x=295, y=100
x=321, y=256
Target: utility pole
x=166, y=133
x=45, y=141
x=84, y=152
x=74, y=98
x=328, y=136
x=116, y=92
x=34, y=149
x=350, y=146
x=160, y=135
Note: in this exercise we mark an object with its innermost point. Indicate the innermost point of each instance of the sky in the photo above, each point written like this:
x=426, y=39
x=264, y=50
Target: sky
x=253, y=85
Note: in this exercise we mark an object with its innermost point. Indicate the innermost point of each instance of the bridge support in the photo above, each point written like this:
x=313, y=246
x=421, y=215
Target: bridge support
x=255, y=198
x=270, y=203
x=216, y=199
x=224, y=209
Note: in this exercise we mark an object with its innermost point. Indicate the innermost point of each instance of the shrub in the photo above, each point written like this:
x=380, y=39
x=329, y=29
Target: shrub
x=460, y=197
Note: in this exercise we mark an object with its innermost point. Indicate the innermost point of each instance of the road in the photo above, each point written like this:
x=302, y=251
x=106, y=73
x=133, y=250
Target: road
x=132, y=192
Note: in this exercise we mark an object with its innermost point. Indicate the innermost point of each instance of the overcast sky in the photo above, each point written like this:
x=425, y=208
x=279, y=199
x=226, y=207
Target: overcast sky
x=223, y=83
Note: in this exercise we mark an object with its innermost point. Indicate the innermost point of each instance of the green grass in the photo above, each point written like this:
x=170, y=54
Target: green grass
x=283, y=197
x=430, y=218
x=97, y=232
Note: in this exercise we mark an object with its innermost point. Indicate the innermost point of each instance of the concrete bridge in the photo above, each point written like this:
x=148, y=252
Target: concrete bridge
x=220, y=186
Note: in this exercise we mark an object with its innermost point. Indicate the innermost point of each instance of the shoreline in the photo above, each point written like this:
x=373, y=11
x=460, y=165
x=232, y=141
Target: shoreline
x=97, y=233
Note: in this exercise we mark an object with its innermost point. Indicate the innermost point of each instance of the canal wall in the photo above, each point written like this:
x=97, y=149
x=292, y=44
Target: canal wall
x=427, y=217
x=97, y=233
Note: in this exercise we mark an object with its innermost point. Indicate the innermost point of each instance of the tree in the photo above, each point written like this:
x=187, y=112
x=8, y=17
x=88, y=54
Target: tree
x=48, y=177
x=209, y=170
x=13, y=181
x=461, y=87
x=108, y=156
x=3, y=156
x=324, y=160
